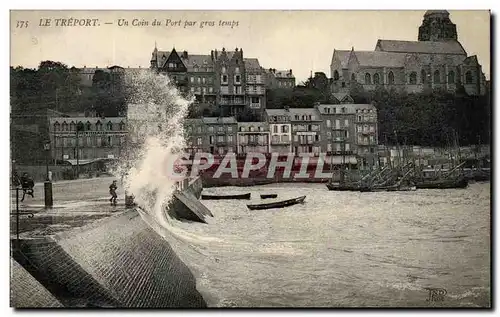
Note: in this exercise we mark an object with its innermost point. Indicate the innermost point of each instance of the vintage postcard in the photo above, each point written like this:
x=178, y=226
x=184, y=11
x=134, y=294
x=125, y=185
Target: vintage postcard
x=249, y=159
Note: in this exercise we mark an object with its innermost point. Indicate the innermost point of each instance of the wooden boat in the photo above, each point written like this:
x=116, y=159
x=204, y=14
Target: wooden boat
x=214, y=197
x=278, y=204
x=265, y=196
x=343, y=187
x=442, y=183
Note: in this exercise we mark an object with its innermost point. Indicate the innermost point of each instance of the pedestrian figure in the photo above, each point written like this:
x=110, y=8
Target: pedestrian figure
x=112, y=192
x=27, y=185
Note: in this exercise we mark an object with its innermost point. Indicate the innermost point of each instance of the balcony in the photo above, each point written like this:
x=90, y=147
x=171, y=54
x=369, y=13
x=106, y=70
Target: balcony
x=339, y=139
x=232, y=102
x=280, y=142
x=368, y=132
x=221, y=143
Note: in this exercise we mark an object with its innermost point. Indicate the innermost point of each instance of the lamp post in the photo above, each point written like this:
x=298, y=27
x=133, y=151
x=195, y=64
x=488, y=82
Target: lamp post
x=48, y=181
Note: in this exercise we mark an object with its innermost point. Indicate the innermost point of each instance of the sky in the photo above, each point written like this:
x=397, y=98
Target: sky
x=299, y=40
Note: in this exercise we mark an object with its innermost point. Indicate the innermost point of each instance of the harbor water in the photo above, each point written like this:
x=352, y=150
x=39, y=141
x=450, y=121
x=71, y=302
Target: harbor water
x=341, y=249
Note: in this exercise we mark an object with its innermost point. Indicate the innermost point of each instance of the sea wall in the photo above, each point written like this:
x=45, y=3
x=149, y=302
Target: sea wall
x=26, y=291
x=118, y=261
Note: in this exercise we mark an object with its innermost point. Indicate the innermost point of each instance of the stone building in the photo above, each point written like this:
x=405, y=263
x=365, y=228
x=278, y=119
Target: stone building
x=87, y=138
x=253, y=137
x=351, y=130
x=279, y=78
x=215, y=135
x=280, y=129
x=255, y=85
x=436, y=61
x=306, y=130
x=223, y=81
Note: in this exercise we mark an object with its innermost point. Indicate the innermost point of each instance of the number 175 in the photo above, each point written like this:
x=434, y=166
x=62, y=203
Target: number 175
x=22, y=24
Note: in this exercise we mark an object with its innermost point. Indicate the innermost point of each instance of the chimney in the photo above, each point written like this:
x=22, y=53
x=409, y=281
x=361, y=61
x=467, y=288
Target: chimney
x=185, y=54
x=212, y=54
x=236, y=49
x=291, y=72
x=216, y=54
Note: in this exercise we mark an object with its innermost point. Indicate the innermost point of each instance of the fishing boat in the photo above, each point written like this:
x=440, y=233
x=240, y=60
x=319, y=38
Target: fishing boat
x=442, y=183
x=266, y=196
x=278, y=204
x=215, y=197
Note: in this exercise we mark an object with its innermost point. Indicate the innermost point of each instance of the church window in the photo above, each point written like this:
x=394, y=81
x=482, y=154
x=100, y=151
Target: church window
x=468, y=77
x=451, y=77
x=376, y=79
x=353, y=76
x=343, y=84
x=368, y=79
x=336, y=75
x=423, y=76
x=437, y=78
x=390, y=78
x=413, y=78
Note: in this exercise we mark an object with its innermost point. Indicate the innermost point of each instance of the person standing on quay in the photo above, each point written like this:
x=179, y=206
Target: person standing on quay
x=112, y=191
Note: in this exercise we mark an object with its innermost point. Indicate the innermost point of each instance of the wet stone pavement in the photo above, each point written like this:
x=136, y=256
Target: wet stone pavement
x=76, y=204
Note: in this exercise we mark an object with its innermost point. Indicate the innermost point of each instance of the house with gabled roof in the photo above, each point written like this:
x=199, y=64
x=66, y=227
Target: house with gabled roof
x=436, y=61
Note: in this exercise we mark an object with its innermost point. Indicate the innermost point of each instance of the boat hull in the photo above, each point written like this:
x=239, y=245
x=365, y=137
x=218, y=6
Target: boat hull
x=266, y=196
x=445, y=184
x=278, y=204
x=213, y=197
x=342, y=187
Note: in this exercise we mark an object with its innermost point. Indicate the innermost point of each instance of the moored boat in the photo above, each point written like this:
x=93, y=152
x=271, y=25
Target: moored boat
x=343, y=187
x=215, y=197
x=265, y=196
x=442, y=183
x=278, y=204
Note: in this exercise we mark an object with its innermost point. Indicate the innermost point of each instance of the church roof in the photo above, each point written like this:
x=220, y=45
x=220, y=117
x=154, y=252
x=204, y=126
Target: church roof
x=343, y=56
x=426, y=47
x=380, y=59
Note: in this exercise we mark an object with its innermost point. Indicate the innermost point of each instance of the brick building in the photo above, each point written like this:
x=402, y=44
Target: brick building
x=436, y=61
x=222, y=81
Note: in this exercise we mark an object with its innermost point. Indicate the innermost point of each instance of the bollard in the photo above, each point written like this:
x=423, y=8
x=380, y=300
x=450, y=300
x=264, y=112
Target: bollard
x=48, y=194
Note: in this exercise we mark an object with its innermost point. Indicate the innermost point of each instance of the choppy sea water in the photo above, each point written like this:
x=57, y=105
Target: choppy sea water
x=341, y=249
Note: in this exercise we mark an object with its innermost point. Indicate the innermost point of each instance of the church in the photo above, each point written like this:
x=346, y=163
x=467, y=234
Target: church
x=436, y=61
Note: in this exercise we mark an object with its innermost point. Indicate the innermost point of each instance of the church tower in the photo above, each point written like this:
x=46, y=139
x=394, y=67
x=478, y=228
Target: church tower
x=437, y=27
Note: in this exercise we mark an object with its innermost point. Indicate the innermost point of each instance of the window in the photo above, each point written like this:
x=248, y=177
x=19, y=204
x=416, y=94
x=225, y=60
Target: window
x=72, y=126
x=368, y=79
x=423, y=76
x=230, y=139
x=376, y=79
x=192, y=79
x=237, y=69
x=390, y=78
x=337, y=124
x=346, y=123
x=468, y=77
x=211, y=129
x=358, y=128
x=98, y=126
x=353, y=77
x=285, y=129
x=451, y=77
x=413, y=78
x=346, y=133
x=199, y=80
x=237, y=79
x=255, y=99
x=328, y=123
x=343, y=110
x=343, y=84
x=199, y=141
x=223, y=69
x=109, y=126
x=210, y=89
x=336, y=75
x=275, y=129
x=224, y=79
x=171, y=65
x=56, y=126
x=229, y=129
x=437, y=78
x=203, y=80
x=220, y=129
x=192, y=89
